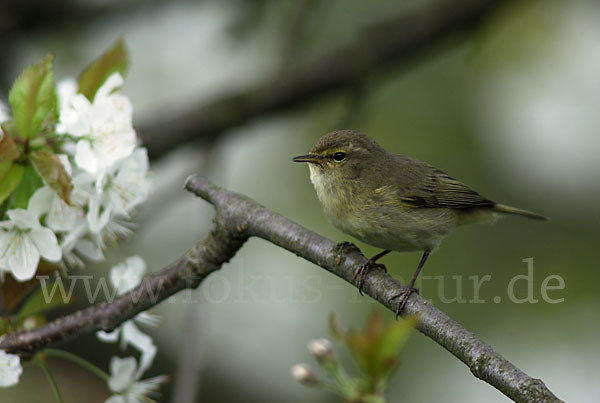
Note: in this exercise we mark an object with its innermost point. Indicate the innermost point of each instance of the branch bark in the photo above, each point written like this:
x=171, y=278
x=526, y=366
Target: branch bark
x=395, y=40
x=237, y=219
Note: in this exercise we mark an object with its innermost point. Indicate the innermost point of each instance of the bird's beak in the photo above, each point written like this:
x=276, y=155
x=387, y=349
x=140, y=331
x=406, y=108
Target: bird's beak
x=315, y=159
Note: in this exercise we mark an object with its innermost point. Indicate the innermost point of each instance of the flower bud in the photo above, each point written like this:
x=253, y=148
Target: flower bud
x=322, y=350
x=304, y=374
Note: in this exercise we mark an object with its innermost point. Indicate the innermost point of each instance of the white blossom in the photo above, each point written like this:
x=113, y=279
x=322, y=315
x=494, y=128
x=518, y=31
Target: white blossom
x=69, y=220
x=304, y=374
x=125, y=382
x=120, y=192
x=109, y=175
x=60, y=217
x=104, y=127
x=125, y=277
x=117, y=195
x=22, y=241
x=322, y=349
x=10, y=369
x=74, y=244
x=130, y=185
x=128, y=275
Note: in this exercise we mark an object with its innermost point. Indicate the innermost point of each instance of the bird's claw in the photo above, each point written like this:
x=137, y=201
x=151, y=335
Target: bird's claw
x=404, y=296
x=363, y=270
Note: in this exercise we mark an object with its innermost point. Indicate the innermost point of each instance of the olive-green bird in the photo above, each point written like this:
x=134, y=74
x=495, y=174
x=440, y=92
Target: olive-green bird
x=392, y=201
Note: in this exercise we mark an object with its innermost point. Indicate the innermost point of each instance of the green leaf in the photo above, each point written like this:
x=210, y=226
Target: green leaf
x=10, y=180
x=112, y=61
x=33, y=98
x=8, y=149
x=29, y=184
x=390, y=344
x=52, y=171
x=377, y=348
x=5, y=166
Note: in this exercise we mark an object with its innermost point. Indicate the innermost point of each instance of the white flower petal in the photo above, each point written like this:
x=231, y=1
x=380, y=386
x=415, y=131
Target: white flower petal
x=10, y=369
x=40, y=202
x=127, y=386
x=112, y=83
x=23, y=219
x=89, y=250
x=141, y=342
x=62, y=217
x=116, y=399
x=70, y=239
x=83, y=111
x=64, y=160
x=85, y=157
x=141, y=389
x=130, y=186
x=66, y=89
x=75, y=114
x=122, y=372
x=95, y=220
x=108, y=337
x=46, y=243
x=4, y=244
x=128, y=275
x=22, y=256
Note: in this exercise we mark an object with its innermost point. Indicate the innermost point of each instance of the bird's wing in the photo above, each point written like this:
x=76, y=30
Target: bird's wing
x=430, y=187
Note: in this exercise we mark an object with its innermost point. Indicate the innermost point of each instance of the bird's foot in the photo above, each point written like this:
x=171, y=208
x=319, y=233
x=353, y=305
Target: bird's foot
x=404, y=295
x=364, y=269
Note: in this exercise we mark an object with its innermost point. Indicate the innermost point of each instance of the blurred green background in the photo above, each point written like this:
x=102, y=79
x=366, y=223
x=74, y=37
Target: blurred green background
x=510, y=107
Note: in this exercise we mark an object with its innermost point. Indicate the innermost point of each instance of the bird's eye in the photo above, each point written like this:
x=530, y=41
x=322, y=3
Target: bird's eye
x=339, y=156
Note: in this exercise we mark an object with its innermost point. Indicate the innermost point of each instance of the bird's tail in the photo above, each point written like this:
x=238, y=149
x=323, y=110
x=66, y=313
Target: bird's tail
x=503, y=208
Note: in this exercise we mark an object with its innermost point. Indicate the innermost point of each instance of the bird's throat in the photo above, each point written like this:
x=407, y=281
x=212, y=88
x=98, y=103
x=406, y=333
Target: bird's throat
x=334, y=194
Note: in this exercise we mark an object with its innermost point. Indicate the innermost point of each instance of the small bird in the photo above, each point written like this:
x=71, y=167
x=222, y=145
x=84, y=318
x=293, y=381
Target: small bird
x=392, y=201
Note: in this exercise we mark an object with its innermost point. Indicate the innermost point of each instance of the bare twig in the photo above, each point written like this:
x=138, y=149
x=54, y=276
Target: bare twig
x=237, y=218
x=398, y=39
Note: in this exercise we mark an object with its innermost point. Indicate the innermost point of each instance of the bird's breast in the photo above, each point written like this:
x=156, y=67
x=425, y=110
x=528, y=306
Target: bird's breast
x=378, y=218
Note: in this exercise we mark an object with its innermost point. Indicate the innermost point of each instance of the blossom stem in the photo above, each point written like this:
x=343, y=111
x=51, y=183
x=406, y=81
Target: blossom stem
x=39, y=360
x=79, y=361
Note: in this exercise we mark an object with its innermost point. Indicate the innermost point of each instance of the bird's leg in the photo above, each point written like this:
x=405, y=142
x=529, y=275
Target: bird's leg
x=405, y=294
x=364, y=269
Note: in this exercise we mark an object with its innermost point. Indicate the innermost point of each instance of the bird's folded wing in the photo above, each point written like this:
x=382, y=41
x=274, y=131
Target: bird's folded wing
x=434, y=188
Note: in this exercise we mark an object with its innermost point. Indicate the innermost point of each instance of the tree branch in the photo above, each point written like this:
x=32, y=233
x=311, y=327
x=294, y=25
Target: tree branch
x=398, y=39
x=237, y=219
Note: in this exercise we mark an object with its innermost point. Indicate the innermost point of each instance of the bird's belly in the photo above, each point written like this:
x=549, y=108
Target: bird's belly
x=403, y=231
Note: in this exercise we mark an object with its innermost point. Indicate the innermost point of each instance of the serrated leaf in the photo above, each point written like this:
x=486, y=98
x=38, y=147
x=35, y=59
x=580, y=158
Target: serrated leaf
x=14, y=292
x=8, y=149
x=10, y=180
x=33, y=98
x=53, y=173
x=112, y=61
x=30, y=182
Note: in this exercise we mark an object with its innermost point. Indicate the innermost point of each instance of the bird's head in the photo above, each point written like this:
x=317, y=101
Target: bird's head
x=342, y=156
